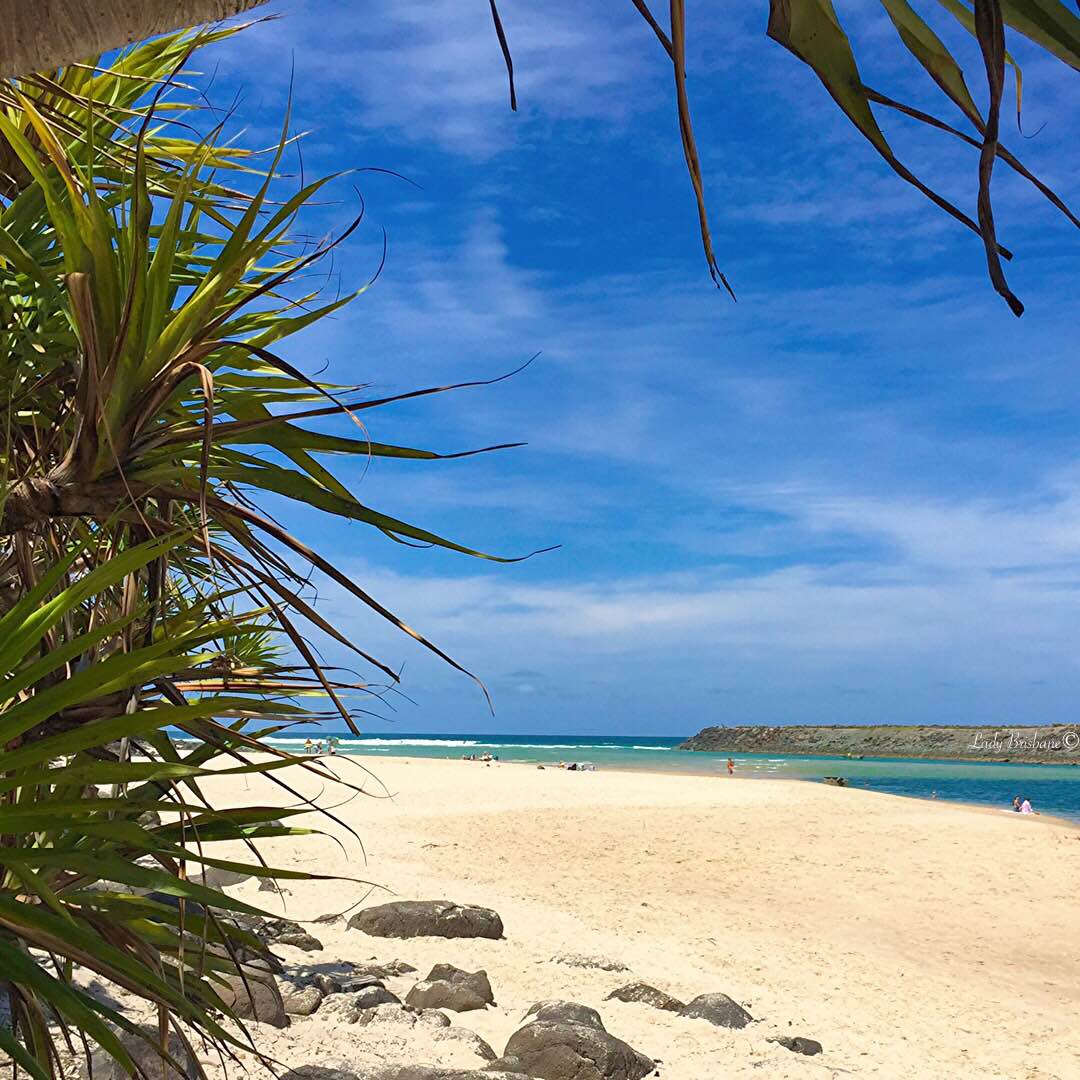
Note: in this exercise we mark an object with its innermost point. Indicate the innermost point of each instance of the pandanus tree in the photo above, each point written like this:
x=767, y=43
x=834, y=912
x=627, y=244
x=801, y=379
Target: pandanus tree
x=146, y=279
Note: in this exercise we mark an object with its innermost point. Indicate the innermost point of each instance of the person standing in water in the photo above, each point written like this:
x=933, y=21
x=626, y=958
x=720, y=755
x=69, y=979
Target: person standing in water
x=731, y=766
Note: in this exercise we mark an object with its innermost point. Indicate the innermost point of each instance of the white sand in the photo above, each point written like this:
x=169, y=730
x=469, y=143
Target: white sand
x=912, y=939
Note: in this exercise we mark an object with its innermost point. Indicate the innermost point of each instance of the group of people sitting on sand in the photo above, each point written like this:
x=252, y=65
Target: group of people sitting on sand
x=1022, y=805
x=317, y=747
x=480, y=757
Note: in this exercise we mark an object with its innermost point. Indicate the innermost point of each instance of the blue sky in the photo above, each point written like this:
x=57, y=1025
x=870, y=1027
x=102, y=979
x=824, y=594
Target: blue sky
x=853, y=496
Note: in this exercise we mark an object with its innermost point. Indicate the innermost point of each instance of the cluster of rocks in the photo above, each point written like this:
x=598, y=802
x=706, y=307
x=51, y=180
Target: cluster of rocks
x=559, y=1040
x=556, y=1040
x=350, y=996
x=718, y=1009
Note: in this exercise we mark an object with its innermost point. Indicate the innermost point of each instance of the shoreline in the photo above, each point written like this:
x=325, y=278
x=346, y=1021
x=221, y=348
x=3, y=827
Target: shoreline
x=715, y=774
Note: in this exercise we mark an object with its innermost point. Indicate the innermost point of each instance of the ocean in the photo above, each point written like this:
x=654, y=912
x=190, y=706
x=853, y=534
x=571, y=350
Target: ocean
x=1052, y=789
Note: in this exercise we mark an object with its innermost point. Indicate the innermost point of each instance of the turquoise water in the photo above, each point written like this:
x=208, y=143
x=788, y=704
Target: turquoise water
x=1052, y=789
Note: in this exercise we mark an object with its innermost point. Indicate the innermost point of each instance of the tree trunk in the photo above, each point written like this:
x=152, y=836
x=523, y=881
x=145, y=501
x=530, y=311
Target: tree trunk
x=38, y=35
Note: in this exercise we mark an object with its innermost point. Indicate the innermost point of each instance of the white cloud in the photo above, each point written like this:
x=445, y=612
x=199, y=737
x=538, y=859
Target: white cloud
x=433, y=69
x=978, y=591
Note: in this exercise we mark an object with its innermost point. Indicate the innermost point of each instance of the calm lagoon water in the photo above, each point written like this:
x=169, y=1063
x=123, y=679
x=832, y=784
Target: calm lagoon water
x=1052, y=789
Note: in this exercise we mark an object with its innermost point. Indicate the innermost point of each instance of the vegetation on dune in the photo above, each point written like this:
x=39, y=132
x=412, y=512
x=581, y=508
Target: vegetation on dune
x=146, y=278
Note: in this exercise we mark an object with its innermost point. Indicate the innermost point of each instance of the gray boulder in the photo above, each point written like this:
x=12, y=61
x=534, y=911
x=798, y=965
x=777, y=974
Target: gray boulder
x=644, y=994
x=428, y=918
x=350, y=1006
x=561, y=1050
x=401, y=1016
x=305, y=941
x=448, y=987
x=147, y=1060
x=798, y=1044
x=557, y=1011
x=718, y=1009
x=326, y=983
x=255, y=996
x=371, y=996
x=303, y=1002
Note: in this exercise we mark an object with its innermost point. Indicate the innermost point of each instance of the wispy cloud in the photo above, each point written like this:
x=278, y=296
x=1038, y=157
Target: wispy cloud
x=432, y=69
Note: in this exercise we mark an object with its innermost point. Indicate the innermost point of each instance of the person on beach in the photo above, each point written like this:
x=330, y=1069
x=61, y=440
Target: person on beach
x=1025, y=806
x=1016, y=804
x=730, y=767
x=307, y=746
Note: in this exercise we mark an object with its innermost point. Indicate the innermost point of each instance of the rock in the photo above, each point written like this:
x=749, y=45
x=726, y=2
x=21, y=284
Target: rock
x=259, y=1000
x=644, y=994
x=272, y=930
x=150, y=819
x=371, y=996
x=718, y=1009
x=479, y=1046
x=147, y=1060
x=390, y=1015
x=329, y=917
x=507, y=1064
x=303, y=1002
x=268, y=884
x=326, y=983
x=383, y=971
x=581, y=960
x=428, y=918
x=352, y=985
x=561, y=1050
x=349, y=1006
x=798, y=1044
x=302, y=940
x=448, y=987
x=556, y=1011
x=278, y=932
x=214, y=877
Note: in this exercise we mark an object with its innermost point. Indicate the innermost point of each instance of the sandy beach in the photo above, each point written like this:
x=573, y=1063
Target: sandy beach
x=912, y=939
